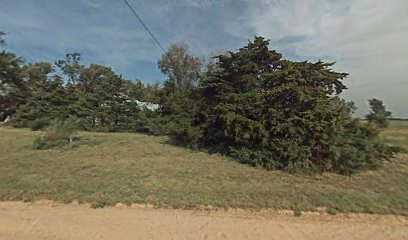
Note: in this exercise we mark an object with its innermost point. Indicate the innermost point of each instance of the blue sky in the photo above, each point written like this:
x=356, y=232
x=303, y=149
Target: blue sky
x=367, y=38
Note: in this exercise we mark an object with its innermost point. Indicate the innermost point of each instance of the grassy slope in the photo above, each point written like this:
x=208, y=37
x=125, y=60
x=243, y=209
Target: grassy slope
x=132, y=168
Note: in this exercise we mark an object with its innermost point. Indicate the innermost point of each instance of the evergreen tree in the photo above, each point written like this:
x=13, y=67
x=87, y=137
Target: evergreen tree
x=280, y=114
x=151, y=93
x=11, y=82
x=47, y=103
x=107, y=101
x=378, y=114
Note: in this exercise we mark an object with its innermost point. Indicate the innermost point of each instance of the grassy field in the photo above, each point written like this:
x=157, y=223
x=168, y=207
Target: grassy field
x=399, y=124
x=108, y=168
x=397, y=134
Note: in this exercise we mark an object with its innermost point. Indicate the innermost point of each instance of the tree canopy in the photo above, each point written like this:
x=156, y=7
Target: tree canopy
x=280, y=114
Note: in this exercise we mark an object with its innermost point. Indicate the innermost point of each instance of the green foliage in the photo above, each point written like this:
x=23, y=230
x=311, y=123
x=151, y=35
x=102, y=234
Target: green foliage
x=278, y=114
x=297, y=212
x=378, y=114
x=331, y=211
x=12, y=87
x=46, y=103
x=38, y=124
x=94, y=94
x=41, y=144
x=71, y=67
x=180, y=97
x=182, y=68
x=2, y=40
x=59, y=134
x=251, y=104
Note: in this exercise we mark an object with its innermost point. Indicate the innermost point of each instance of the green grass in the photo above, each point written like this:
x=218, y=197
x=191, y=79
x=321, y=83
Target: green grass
x=397, y=134
x=109, y=168
x=399, y=124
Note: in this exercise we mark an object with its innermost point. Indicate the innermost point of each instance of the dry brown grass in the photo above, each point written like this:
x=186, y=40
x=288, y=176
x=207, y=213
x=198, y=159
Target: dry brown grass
x=108, y=168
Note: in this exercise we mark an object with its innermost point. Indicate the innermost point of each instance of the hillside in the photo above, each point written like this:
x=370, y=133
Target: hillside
x=110, y=168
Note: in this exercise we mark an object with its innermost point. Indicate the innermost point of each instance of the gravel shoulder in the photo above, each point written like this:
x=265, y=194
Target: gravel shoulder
x=48, y=220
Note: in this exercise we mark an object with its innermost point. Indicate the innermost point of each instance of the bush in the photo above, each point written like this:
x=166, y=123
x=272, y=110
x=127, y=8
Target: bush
x=297, y=212
x=42, y=143
x=38, y=124
x=189, y=136
x=60, y=134
x=331, y=211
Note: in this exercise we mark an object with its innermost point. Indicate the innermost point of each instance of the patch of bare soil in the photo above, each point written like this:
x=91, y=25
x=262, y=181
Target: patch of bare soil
x=47, y=220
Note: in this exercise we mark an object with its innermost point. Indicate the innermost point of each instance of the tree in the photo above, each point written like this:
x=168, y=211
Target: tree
x=280, y=114
x=95, y=95
x=47, y=103
x=11, y=81
x=2, y=41
x=151, y=93
x=10, y=74
x=378, y=114
x=71, y=67
x=183, y=70
x=33, y=77
x=179, y=96
x=107, y=101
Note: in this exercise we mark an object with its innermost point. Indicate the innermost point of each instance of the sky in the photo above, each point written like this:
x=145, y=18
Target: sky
x=366, y=38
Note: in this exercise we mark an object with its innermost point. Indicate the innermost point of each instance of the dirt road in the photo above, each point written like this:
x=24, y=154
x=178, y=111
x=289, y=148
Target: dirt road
x=46, y=220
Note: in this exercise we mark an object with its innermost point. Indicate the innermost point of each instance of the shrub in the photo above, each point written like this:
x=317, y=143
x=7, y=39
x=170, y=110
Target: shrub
x=60, y=134
x=297, y=212
x=38, y=124
x=331, y=211
x=34, y=125
x=42, y=143
x=188, y=136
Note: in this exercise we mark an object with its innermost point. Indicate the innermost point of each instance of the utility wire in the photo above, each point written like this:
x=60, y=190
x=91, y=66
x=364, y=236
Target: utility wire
x=145, y=27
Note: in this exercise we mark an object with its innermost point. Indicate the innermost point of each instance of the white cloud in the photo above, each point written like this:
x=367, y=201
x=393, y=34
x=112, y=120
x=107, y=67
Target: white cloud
x=103, y=31
x=367, y=38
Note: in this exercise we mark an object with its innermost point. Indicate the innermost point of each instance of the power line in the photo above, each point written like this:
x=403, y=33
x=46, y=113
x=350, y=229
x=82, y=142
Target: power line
x=144, y=25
